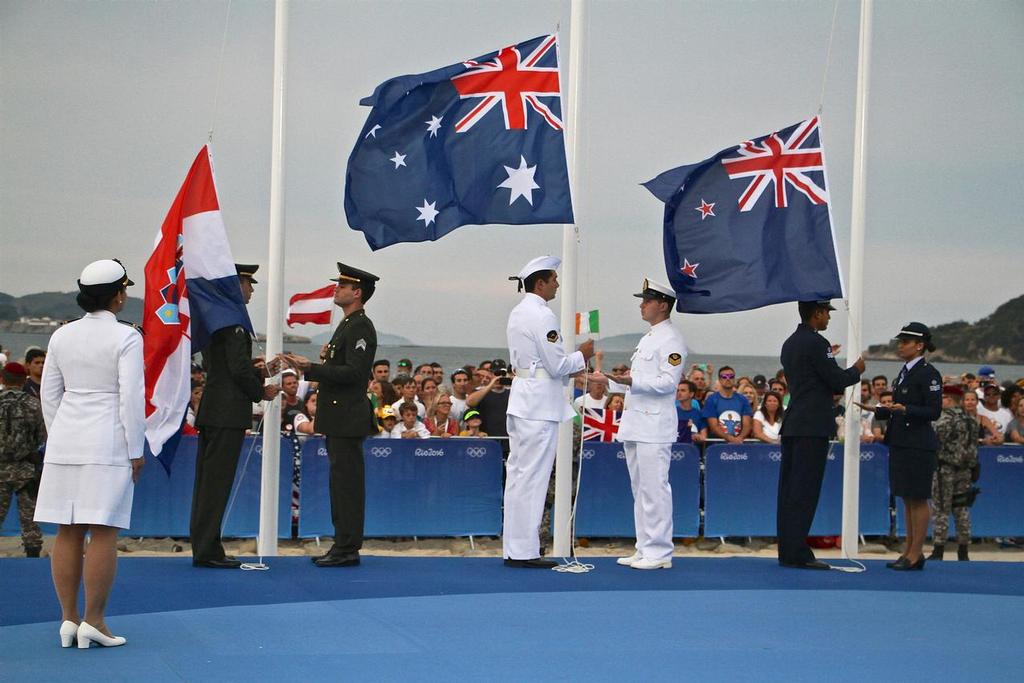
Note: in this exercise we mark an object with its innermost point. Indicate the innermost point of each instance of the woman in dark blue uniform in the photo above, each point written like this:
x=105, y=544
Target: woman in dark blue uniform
x=917, y=402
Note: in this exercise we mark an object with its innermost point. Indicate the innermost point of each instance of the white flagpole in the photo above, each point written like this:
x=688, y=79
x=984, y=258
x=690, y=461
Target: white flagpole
x=851, y=452
x=267, y=540
x=563, y=459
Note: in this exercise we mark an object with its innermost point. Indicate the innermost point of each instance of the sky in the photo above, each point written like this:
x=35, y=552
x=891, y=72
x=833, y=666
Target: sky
x=104, y=105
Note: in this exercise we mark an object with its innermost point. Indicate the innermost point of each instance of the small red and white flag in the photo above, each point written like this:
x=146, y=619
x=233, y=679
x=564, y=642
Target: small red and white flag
x=311, y=307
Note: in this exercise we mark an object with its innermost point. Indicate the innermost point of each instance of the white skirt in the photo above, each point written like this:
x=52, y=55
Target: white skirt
x=85, y=494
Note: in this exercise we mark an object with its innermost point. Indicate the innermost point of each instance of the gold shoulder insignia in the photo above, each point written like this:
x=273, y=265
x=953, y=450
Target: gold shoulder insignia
x=553, y=336
x=674, y=359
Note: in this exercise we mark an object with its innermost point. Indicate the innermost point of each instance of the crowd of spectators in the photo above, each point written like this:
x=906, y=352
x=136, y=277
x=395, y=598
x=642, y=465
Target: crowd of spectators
x=716, y=405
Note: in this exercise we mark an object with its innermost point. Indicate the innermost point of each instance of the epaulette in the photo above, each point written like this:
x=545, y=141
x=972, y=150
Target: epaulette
x=137, y=328
x=69, y=320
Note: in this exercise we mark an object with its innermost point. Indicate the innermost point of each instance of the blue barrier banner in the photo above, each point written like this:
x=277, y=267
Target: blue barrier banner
x=414, y=487
x=604, y=507
x=741, y=487
x=162, y=504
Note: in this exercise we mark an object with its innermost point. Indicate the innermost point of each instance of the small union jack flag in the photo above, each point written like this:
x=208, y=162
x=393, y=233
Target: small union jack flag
x=600, y=424
x=730, y=248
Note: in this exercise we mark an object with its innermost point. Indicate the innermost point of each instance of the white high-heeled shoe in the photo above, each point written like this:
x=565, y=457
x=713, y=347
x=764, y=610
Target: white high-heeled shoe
x=68, y=632
x=87, y=634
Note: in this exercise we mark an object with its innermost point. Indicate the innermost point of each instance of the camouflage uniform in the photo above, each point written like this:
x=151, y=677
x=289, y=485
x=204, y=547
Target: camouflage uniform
x=22, y=431
x=958, y=454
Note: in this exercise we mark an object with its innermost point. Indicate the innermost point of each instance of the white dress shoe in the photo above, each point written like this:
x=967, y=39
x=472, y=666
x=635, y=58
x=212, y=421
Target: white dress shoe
x=68, y=632
x=87, y=634
x=628, y=561
x=652, y=564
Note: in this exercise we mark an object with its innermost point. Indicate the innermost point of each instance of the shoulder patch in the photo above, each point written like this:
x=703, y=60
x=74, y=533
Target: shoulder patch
x=361, y=345
x=552, y=336
x=674, y=359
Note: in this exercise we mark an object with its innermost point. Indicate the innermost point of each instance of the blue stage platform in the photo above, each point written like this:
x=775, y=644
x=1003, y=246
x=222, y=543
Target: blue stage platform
x=443, y=618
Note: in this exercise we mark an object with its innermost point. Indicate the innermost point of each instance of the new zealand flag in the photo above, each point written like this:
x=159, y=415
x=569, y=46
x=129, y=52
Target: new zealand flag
x=751, y=226
x=480, y=142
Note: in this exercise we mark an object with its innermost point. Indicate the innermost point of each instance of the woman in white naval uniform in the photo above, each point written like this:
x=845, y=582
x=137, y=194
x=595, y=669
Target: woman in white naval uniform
x=94, y=406
x=650, y=425
x=536, y=405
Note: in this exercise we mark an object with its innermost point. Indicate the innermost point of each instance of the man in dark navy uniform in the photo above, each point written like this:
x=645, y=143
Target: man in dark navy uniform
x=344, y=413
x=233, y=384
x=814, y=377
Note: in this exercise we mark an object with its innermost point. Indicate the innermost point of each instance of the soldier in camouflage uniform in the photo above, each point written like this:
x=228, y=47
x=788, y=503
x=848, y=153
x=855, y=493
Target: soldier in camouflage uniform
x=22, y=432
x=958, y=456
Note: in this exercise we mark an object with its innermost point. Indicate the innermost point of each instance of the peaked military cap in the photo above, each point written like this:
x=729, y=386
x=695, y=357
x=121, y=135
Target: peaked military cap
x=350, y=274
x=656, y=290
x=247, y=270
x=820, y=303
x=917, y=331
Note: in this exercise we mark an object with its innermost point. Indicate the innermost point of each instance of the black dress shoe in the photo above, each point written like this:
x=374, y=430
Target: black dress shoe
x=337, y=560
x=535, y=563
x=905, y=565
x=810, y=564
x=892, y=564
x=226, y=563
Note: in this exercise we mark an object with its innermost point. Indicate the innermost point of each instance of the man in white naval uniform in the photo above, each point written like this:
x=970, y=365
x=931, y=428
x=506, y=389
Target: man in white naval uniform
x=649, y=426
x=536, y=405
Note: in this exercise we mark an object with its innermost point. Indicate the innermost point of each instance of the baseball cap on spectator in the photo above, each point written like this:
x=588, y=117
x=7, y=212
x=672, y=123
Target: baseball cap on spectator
x=497, y=365
x=760, y=381
x=986, y=372
x=472, y=415
x=289, y=371
x=388, y=411
x=405, y=363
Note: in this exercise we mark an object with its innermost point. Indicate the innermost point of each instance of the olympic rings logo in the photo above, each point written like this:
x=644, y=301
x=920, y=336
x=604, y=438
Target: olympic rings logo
x=866, y=456
x=588, y=453
x=677, y=456
x=775, y=456
x=476, y=451
x=380, y=451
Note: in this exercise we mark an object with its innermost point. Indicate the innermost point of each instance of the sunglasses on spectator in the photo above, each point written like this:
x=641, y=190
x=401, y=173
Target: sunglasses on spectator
x=444, y=403
x=727, y=375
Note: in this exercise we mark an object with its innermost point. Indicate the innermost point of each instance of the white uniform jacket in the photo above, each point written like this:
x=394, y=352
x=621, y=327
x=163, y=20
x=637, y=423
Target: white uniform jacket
x=656, y=367
x=93, y=393
x=541, y=364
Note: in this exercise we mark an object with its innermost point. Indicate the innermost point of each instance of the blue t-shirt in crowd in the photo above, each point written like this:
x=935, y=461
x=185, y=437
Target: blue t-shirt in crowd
x=690, y=421
x=728, y=411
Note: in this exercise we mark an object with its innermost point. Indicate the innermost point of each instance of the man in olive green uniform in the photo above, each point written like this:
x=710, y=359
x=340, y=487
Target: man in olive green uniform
x=344, y=413
x=233, y=384
x=951, y=485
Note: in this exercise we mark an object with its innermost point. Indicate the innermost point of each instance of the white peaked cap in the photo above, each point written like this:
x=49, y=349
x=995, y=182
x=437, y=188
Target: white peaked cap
x=539, y=263
x=104, y=272
x=652, y=288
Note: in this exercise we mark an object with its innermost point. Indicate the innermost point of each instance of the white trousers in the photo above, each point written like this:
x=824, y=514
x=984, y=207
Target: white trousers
x=532, y=445
x=652, y=497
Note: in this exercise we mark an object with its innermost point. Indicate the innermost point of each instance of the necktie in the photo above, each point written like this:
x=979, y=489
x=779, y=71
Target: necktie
x=902, y=376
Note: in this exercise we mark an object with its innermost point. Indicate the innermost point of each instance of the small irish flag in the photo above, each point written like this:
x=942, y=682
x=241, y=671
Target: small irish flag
x=588, y=323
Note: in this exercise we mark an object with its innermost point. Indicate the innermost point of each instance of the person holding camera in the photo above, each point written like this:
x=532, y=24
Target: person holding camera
x=536, y=406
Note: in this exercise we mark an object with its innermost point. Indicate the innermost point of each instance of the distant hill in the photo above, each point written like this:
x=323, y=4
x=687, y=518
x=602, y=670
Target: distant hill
x=620, y=342
x=999, y=338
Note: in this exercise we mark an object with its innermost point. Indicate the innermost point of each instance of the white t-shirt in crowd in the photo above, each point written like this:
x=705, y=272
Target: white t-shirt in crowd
x=1001, y=417
x=772, y=431
x=419, y=428
x=458, y=408
x=588, y=401
x=421, y=409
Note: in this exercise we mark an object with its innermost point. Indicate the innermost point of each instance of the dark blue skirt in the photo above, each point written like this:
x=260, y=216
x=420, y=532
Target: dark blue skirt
x=911, y=471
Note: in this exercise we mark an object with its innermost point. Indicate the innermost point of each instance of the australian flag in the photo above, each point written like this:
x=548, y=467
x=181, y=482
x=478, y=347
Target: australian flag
x=479, y=142
x=751, y=226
